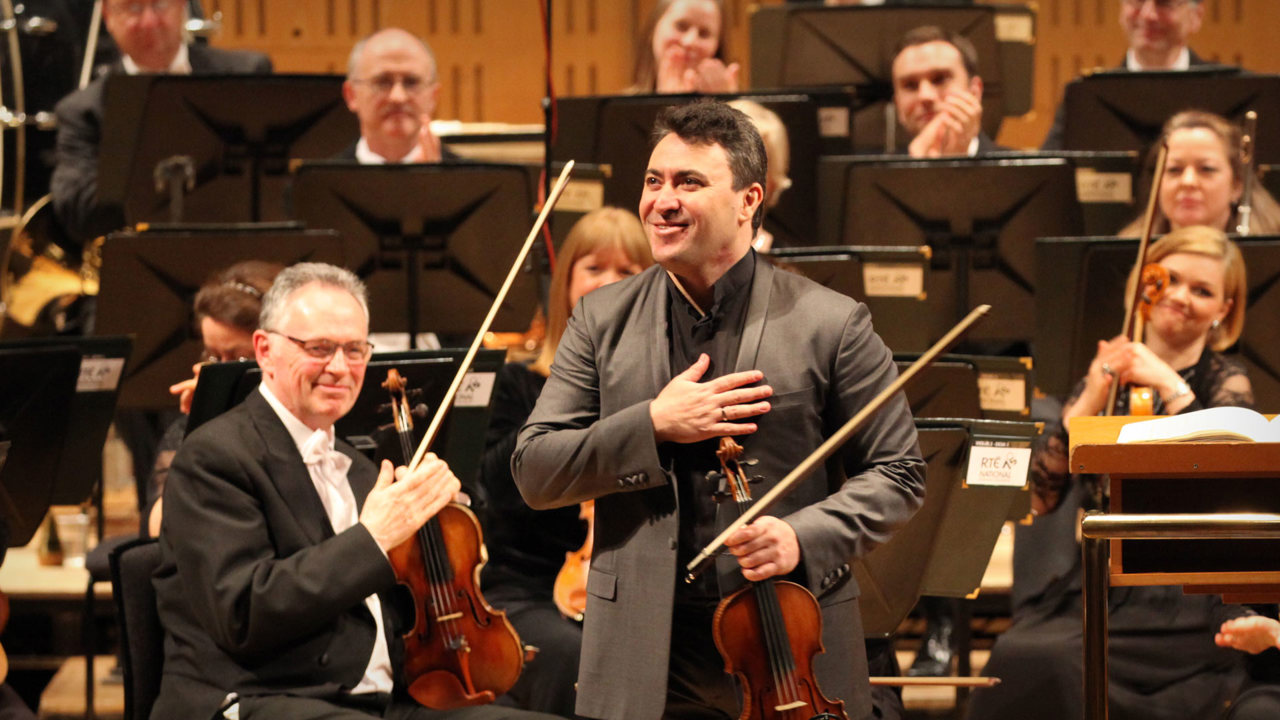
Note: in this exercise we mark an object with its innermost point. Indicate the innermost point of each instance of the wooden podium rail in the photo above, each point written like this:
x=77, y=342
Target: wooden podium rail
x=1199, y=504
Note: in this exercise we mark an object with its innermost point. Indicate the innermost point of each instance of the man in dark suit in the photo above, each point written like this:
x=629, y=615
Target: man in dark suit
x=654, y=369
x=392, y=87
x=149, y=34
x=1158, y=32
x=274, y=587
x=938, y=94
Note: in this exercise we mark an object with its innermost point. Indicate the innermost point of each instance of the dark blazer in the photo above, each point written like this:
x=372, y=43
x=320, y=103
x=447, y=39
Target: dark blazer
x=256, y=593
x=1053, y=141
x=75, y=179
x=590, y=436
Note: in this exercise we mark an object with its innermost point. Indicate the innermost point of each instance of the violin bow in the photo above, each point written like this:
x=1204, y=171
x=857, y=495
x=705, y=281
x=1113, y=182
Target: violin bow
x=832, y=444
x=1135, y=296
x=445, y=403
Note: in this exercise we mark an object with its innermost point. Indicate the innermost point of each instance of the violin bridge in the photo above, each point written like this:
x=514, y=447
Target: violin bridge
x=790, y=706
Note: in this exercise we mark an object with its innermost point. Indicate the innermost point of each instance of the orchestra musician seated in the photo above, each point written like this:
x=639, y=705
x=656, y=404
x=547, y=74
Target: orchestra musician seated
x=274, y=588
x=688, y=49
x=150, y=36
x=1163, y=662
x=392, y=87
x=1205, y=179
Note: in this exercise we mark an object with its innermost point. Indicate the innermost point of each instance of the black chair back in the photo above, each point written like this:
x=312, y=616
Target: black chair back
x=141, y=635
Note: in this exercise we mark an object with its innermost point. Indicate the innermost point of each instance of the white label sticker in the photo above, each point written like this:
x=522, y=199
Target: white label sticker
x=1014, y=27
x=581, y=196
x=475, y=390
x=833, y=121
x=99, y=374
x=893, y=280
x=1093, y=186
x=1004, y=392
x=1002, y=463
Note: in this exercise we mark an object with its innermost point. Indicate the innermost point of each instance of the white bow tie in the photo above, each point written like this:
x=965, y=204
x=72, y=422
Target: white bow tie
x=331, y=465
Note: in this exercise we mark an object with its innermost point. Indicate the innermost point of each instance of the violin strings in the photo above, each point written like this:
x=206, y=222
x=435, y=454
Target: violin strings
x=773, y=625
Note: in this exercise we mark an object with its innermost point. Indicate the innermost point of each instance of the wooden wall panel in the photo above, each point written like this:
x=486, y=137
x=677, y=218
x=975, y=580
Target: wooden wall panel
x=492, y=57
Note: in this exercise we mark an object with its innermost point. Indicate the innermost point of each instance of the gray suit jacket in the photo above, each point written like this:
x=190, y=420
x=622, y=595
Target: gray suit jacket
x=256, y=593
x=590, y=436
x=75, y=179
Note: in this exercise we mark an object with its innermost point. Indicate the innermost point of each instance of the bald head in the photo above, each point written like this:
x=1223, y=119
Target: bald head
x=391, y=87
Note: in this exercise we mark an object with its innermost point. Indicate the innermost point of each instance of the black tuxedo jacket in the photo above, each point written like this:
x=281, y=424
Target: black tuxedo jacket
x=75, y=179
x=1053, y=141
x=256, y=593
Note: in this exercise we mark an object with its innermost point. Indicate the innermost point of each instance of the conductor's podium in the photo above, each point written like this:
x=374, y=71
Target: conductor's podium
x=1202, y=515
x=1182, y=478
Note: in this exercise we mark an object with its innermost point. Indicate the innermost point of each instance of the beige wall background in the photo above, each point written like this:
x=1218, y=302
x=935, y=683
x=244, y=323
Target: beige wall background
x=492, y=56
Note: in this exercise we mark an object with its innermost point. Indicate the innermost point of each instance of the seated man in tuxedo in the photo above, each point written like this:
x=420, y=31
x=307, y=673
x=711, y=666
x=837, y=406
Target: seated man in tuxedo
x=938, y=94
x=392, y=87
x=274, y=588
x=1158, y=32
x=149, y=34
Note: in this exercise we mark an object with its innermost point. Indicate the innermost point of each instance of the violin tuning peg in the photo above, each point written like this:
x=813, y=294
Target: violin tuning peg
x=755, y=479
x=384, y=407
x=420, y=410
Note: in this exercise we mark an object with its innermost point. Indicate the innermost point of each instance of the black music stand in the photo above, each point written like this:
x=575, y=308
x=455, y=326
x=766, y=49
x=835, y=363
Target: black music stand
x=434, y=243
x=240, y=133
x=368, y=425
x=36, y=389
x=800, y=47
x=946, y=546
x=103, y=360
x=889, y=280
x=1080, y=283
x=614, y=132
x=149, y=280
x=1119, y=110
x=981, y=239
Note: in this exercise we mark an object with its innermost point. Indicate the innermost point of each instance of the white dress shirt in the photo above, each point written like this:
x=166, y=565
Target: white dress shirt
x=180, y=65
x=1182, y=63
x=329, y=476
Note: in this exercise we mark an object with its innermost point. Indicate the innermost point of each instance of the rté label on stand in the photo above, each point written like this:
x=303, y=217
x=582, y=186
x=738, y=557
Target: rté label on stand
x=999, y=463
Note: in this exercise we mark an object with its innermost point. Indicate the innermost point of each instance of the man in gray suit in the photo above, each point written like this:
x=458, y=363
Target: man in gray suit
x=651, y=371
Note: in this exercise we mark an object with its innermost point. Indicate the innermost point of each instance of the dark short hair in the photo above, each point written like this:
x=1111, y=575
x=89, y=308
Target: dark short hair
x=711, y=122
x=234, y=295
x=933, y=33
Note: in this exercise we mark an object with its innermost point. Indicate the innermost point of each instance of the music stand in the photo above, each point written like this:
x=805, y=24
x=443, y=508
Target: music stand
x=36, y=388
x=981, y=239
x=946, y=546
x=1119, y=110
x=434, y=243
x=800, y=47
x=240, y=132
x=889, y=280
x=615, y=132
x=149, y=280
x=102, y=364
x=1080, y=300
x=368, y=425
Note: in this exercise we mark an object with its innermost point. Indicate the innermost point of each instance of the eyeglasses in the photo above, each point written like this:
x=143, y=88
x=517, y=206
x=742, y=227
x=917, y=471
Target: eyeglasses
x=1162, y=5
x=356, y=352
x=136, y=9
x=383, y=84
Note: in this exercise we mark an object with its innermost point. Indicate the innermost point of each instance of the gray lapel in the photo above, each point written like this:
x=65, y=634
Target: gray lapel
x=660, y=372
x=757, y=309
